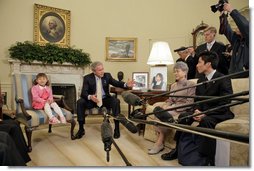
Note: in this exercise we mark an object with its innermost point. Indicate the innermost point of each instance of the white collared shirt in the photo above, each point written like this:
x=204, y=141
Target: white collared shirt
x=210, y=75
x=210, y=45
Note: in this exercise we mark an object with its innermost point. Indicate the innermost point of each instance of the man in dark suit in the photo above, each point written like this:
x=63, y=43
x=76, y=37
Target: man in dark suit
x=207, y=67
x=212, y=45
x=206, y=147
x=95, y=93
x=185, y=56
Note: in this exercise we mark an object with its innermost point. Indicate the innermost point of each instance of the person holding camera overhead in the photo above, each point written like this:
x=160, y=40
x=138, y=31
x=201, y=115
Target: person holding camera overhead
x=239, y=38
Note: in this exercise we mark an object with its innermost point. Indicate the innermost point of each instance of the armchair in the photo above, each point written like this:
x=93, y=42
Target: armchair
x=31, y=118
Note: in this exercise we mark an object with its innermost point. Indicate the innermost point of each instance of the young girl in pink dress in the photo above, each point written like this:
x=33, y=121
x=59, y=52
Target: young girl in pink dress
x=42, y=98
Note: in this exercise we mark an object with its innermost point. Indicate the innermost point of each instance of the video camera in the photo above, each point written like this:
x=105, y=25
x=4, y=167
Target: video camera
x=218, y=6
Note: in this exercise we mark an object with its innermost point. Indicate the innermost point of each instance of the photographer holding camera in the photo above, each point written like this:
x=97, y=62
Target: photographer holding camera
x=239, y=38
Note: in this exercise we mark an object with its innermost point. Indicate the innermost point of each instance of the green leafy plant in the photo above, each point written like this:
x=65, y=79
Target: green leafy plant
x=29, y=52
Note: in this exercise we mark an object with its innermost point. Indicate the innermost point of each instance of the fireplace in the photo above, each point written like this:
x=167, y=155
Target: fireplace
x=69, y=93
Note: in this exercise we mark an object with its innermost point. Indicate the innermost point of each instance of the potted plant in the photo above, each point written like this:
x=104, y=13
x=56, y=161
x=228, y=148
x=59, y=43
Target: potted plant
x=29, y=52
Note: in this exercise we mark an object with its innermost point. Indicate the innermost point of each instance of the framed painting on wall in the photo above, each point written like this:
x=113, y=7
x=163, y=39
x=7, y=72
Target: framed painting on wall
x=51, y=25
x=158, y=78
x=141, y=80
x=121, y=49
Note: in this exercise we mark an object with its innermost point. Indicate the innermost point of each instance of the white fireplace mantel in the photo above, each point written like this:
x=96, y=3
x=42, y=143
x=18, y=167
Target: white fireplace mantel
x=36, y=66
x=59, y=73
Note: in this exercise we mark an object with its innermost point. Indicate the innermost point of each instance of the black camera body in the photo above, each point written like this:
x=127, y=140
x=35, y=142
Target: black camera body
x=218, y=6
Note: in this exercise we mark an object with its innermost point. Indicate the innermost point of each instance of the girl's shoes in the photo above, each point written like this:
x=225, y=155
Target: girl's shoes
x=54, y=120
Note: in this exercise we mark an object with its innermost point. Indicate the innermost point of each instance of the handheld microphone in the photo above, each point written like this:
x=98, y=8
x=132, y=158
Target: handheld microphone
x=127, y=124
x=106, y=136
x=163, y=115
x=131, y=99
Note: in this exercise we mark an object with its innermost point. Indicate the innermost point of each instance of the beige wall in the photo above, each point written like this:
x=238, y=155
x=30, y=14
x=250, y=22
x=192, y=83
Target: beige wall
x=93, y=20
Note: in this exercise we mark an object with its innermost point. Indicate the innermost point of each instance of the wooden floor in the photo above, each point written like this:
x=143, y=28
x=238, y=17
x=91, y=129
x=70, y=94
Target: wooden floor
x=57, y=149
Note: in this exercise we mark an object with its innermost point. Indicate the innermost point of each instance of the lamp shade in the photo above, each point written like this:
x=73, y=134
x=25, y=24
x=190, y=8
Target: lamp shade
x=160, y=54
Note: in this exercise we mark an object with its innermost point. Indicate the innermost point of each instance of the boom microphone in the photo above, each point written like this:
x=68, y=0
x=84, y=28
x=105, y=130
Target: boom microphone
x=137, y=114
x=106, y=136
x=207, y=132
x=131, y=99
x=127, y=124
x=163, y=115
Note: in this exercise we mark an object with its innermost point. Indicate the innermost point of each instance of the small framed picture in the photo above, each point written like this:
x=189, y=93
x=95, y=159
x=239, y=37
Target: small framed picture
x=121, y=49
x=158, y=78
x=51, y=25
x=141, y=80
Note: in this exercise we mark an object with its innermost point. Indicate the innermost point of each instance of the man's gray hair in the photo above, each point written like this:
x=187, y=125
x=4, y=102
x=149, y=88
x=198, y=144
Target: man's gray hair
x=95, y=64
x=181, y=65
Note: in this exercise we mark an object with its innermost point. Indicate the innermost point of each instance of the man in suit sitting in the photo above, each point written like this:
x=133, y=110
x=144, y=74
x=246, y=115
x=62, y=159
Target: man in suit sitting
x=95, y=93
x=207, y=68
x=212, y=45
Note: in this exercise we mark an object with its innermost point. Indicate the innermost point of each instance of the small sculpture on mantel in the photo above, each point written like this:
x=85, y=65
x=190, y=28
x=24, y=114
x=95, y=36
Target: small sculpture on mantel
x=120, y=75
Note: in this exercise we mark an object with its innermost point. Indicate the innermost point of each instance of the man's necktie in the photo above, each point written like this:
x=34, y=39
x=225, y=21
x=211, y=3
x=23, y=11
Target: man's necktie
x=206, y=85
x=98, y=92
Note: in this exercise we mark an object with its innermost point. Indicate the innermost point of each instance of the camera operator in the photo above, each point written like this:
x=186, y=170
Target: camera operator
x=239, y=38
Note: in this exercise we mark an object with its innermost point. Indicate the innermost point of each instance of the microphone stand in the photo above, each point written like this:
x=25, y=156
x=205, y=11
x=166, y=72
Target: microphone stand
x=202, y=97
x=117, y=147
x=198, y=84
x=207, y=132
x=121, y=154
x=106, y=119
x=210, y=110
x=203, y=101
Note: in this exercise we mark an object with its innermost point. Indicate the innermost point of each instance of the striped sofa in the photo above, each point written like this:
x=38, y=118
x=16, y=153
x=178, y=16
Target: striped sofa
x=31, y=118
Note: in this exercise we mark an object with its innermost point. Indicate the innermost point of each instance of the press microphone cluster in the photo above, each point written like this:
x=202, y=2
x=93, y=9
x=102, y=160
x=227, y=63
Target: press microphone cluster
x=159, y=112
x=106, y=134
x=163, y=115
x=137, y=114
x=127, y=124
x=123, y=120
x=131, y=99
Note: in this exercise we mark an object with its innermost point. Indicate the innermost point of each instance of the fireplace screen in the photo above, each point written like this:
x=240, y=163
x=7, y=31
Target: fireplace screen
x=69, y=93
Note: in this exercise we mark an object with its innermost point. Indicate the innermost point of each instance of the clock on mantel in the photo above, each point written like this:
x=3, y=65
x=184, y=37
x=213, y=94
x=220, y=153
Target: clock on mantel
x=198, y=34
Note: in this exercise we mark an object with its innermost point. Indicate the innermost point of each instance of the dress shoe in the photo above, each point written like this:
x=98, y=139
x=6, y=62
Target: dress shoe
x=172, y=155
x=156, y=149
x=80, y=134
x=116, y=133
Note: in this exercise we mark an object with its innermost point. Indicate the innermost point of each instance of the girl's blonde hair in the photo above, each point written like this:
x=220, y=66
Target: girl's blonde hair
x=41, y=75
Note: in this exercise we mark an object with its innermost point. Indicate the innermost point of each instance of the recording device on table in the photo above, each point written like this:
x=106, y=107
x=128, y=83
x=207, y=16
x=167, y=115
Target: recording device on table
x=219, y=6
